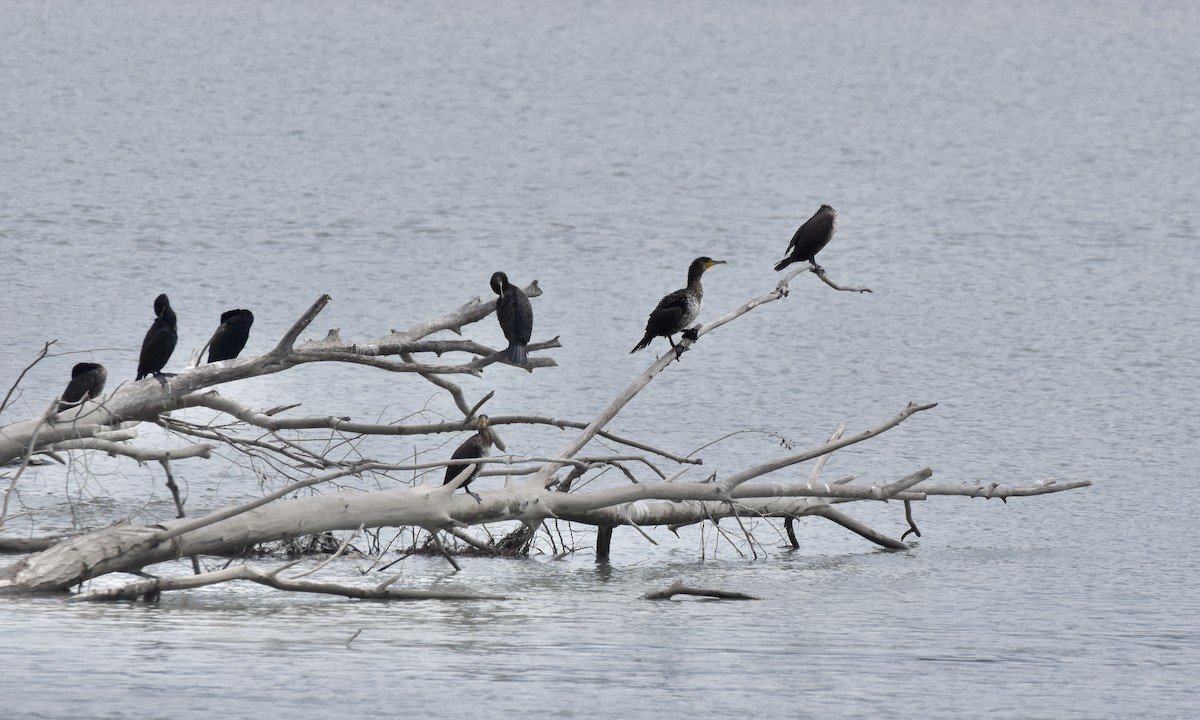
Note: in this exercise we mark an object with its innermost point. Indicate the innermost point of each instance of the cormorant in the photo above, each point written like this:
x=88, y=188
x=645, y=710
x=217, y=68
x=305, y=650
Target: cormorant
x=812, y=236
x=160, y=339
x=231, y=335
x=476, y=446
x=87, y=379
x=679, y=309
x=515, y=316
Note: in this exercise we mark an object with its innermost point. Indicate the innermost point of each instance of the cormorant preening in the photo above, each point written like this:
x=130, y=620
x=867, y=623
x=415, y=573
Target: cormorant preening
x=476, y=446
x=231, y=335
x=813, y=235
x=679, y=309
x=160, y=339
x=515, y=316
x=87, y=379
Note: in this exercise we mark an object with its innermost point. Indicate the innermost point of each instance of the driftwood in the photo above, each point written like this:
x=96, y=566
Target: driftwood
x=537, y=489
x=153, y=587
x=678, y=588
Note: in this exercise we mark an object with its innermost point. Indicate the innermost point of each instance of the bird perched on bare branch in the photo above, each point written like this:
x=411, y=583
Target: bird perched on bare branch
x=676, y=311
x=812, y=236
x=231, y=335
x=476, y=446
x=87, y=380
x=515, y=316
x=160, y=339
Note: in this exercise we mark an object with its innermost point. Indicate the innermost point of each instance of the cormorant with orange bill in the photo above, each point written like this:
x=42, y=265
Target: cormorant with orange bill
x=476, y=446
x=677, y=311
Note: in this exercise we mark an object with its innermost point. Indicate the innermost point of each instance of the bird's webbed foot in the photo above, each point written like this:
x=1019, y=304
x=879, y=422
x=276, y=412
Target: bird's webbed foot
x=691, y=334
x=477, y=498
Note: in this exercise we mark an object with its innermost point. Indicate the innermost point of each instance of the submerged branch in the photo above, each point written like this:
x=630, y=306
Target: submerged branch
x=678, y=588
x=859, y=528
x=152, y=588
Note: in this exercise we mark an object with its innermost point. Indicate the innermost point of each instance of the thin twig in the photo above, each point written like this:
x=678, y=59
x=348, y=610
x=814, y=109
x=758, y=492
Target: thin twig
x=16, y=383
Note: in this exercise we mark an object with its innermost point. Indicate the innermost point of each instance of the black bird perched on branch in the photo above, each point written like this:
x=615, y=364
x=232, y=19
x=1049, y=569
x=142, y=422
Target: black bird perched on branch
x=87, y=379
x=160, y=339
x=476, y=446
x=812, y=236
x=679, y=309
x=231, y=335
x=515, y=316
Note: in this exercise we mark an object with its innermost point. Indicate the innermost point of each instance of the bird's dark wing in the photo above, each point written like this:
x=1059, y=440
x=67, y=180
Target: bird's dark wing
x=515, y=315
x=77, y=388
x=216, y=346
x=812, y=236
x=157, y=347
x=665, y=318
x=469, y=449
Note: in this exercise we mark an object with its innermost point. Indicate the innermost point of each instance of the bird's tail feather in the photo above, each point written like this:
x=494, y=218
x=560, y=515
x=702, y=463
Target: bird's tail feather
x=643, y=344
x=518, y=353
x=783, y=263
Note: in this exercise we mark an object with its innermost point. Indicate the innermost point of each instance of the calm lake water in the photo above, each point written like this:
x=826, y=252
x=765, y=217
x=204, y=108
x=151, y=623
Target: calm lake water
x=1017, y=182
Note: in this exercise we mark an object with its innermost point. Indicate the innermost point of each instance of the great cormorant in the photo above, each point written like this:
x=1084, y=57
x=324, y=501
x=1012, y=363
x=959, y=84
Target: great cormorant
x=515, y=316
x=812, y=236
x=231, y=335
x=476, y=446
x=87, y=379
x=679, y=309
x=160, y=339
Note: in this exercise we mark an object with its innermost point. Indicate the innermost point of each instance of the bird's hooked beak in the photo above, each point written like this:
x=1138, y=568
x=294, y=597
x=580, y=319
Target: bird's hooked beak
x=710, y=263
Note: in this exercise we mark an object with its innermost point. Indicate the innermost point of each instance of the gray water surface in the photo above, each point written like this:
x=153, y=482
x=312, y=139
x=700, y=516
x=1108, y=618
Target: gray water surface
x=1016, y=182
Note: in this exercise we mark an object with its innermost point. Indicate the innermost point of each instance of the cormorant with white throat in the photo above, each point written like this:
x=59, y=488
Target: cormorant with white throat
x=677, y=311
x=476, y=446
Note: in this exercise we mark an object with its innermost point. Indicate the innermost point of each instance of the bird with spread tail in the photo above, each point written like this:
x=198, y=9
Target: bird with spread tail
x=231, y=335
x=87, y=380
x=160, y=339
x=476, y=446
x=677, y=311
x=515, y=316
x=811, y=238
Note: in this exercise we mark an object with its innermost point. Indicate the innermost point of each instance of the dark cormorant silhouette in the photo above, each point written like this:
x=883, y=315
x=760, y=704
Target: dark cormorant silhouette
x=812, y=236
x=515, y=316
x=87, y=380
x=679, y=309
x=231, y=335
x=160, y=339
x=476, y=446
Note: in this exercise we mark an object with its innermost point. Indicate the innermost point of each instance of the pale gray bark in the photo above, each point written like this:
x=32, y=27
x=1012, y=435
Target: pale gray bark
x=536, y=489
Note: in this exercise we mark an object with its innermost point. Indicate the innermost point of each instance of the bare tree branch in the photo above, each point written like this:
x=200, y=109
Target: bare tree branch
x=678, y=588
x=333, y=483
x=21, y=376
x=155, y=586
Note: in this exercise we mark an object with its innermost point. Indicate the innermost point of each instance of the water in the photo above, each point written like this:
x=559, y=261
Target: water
x=1016, y=182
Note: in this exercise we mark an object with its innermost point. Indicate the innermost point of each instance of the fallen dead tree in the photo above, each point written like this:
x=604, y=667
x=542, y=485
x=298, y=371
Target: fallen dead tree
x=536, y=490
